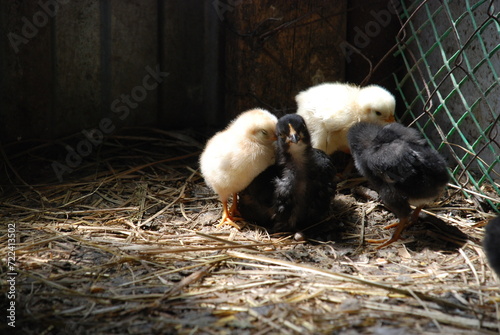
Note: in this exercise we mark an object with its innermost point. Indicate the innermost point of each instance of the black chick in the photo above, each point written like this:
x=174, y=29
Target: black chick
x=297, y=191
x=491, y=244
x=306, y=186
x=402, y=168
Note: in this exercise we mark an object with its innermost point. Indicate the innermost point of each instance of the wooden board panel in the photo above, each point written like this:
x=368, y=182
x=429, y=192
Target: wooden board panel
x=274, y=49
x=134, y=54
x=78, y=100
x=25, y=109
x=182, y=56
x=95, y=51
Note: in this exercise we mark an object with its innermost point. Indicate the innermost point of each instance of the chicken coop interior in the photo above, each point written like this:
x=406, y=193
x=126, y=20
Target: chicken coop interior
x=109, y=226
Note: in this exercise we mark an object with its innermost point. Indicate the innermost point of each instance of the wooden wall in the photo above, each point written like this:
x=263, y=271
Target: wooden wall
x=275, y=49
x=70, y=68
x=66, y=70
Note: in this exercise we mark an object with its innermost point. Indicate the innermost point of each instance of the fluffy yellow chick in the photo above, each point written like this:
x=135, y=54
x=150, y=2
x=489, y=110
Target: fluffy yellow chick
x=330, y=109
x=234, y=156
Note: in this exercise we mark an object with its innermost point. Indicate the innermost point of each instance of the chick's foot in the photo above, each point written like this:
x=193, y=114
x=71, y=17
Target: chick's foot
x=401, y=225
x=228, y=218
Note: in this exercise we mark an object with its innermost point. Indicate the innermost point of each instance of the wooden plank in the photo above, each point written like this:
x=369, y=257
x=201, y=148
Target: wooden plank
x=182, y=56
x=78, y=100
x=274, y=49
x=213, y=63
x=134, y=54
x=6, y=105
x=27, y=83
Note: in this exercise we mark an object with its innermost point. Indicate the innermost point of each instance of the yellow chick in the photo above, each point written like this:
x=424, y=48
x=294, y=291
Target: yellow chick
x=330, y=109
x=233, y=157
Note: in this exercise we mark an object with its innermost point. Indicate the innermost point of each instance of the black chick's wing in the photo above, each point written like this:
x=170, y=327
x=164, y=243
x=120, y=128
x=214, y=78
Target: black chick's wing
x=431, y=173
x=289, y=193
x=256, y=202
x=386, y=169
x=400, y=156
x=322, y=173
x=391, y=162
x=491, y=244
x=321, y=188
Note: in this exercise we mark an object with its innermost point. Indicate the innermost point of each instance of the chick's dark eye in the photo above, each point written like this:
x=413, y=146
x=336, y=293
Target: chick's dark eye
x=264, y=132
x=378, y=113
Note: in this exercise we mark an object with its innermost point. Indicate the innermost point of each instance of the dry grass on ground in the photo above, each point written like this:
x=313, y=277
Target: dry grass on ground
x=126, y=244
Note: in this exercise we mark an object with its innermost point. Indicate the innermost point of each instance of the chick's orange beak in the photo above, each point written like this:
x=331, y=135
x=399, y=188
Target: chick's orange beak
x=390, y=119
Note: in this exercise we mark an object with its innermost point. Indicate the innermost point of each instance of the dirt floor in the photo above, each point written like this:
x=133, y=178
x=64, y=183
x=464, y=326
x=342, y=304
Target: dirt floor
x=126, y=244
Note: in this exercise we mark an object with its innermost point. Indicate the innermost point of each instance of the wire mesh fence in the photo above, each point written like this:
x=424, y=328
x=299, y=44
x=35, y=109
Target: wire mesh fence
x=451, y=87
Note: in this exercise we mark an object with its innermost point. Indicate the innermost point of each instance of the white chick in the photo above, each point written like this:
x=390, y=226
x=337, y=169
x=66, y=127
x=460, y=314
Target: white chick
x=330, y=109
x=234, y=156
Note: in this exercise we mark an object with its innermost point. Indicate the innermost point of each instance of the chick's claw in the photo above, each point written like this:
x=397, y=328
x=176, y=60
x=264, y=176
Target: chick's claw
x=385, y=243
x=401, y=225
x=228, y=219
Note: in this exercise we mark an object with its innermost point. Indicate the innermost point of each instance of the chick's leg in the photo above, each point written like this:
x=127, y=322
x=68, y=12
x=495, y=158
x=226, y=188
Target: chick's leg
x=415, y=214
x=413, y=218
x=233, y=211
x=226, y=217
x=395, y=236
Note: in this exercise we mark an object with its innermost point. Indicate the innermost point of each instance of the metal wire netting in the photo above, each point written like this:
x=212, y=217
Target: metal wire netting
x=451, y=87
